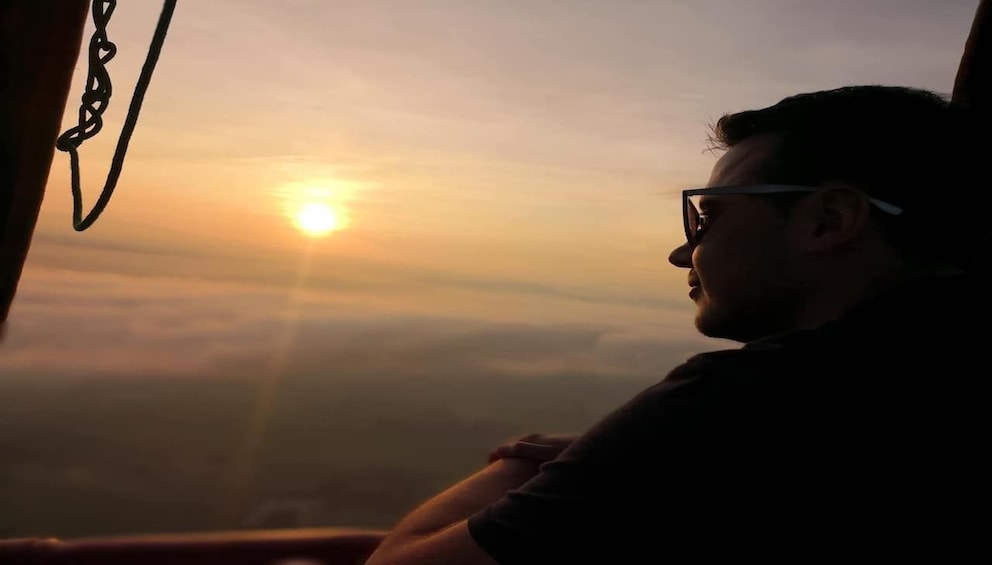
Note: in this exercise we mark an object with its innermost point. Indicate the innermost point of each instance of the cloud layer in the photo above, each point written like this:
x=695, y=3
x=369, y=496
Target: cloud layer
x=97, y=324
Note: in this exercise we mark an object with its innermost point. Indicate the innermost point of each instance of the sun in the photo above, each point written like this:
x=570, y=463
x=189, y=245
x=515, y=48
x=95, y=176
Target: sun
x=316, y=208
x=317, y=219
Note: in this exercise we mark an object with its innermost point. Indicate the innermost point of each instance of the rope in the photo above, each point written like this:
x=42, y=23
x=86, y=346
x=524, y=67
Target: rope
x=95, y=101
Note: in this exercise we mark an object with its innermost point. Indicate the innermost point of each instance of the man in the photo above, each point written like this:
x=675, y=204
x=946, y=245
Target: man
x=836, y=240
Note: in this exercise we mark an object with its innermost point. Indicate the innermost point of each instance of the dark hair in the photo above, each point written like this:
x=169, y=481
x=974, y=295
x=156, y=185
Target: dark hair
x=908, y=146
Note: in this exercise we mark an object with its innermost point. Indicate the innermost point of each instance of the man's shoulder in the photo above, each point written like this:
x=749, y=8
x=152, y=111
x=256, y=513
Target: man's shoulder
x=721, y=367
x=727, y=381
x=710, y=382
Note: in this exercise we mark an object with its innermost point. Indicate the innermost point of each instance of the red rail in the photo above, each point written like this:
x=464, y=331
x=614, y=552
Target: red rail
x=332, y=546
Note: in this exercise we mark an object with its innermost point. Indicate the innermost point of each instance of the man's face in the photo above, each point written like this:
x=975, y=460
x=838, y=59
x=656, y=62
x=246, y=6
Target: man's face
x=744, y=270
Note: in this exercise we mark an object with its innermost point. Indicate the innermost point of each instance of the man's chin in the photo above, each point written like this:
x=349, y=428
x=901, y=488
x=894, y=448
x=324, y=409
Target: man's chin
x=715, y=328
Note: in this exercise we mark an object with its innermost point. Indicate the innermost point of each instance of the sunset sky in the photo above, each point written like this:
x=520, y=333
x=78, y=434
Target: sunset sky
x=498, y=179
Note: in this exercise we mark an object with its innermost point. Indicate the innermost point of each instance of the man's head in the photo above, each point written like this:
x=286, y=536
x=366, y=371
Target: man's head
x=882, y=177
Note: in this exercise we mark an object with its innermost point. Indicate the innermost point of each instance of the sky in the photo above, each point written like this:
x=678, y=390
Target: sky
x=498, y=180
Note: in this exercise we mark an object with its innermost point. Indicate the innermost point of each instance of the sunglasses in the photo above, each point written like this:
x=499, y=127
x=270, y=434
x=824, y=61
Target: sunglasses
x=696, y=221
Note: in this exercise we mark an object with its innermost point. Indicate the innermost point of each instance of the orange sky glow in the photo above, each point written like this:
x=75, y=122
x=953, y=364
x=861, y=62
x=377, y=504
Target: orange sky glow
x=334, y=174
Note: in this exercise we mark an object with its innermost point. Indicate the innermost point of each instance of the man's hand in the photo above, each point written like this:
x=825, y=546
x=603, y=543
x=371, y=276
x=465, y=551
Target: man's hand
x=535, y=447
x=437, y=531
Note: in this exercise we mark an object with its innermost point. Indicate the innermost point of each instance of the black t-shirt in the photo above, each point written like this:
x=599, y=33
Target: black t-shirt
x=863, y=438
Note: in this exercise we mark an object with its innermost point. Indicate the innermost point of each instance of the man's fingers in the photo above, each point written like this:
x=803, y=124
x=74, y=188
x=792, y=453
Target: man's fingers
x=538, y=447
x=531, y=450
x=527, y=450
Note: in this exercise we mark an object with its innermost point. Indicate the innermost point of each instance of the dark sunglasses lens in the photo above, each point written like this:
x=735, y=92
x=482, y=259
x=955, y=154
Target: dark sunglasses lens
x=691, y=220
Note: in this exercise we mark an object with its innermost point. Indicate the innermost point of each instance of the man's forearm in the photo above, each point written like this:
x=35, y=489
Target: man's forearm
x=463, y=499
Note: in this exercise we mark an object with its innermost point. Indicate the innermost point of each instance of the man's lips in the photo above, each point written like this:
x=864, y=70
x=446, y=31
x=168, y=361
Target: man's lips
x=694, y=287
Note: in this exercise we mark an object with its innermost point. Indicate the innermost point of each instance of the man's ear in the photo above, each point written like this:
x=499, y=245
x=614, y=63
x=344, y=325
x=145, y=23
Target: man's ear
x=834, y=217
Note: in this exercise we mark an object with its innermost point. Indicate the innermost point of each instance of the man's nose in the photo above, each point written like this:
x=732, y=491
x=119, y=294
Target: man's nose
x=681, y=256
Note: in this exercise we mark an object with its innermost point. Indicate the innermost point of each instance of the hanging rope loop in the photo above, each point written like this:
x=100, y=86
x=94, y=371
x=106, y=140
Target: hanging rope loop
x=96, y=100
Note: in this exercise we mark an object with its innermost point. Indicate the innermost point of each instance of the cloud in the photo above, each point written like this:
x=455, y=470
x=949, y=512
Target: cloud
x=325, y=271
x=77, y=243
x=88, y=324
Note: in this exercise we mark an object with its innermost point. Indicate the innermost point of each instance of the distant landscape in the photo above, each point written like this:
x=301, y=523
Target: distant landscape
x=90, y=457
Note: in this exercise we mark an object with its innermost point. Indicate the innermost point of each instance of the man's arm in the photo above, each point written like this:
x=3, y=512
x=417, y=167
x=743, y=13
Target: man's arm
x=437, y=531
x=588, y=502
